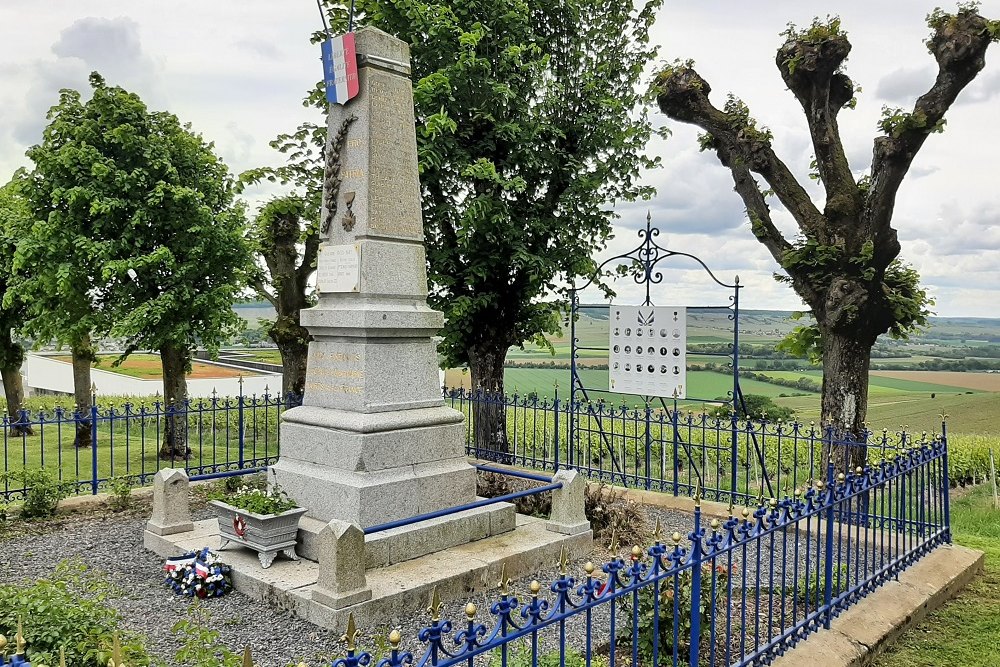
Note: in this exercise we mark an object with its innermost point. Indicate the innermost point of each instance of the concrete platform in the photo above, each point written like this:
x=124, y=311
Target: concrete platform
x=857, y=636
x=396, y=545
x=398, y=591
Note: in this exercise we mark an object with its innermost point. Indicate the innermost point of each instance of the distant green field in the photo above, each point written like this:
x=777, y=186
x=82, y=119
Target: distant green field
x=877, y=386
x=701, y=384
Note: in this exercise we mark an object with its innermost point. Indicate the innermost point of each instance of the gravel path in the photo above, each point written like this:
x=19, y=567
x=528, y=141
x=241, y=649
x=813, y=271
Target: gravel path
x=113, y=544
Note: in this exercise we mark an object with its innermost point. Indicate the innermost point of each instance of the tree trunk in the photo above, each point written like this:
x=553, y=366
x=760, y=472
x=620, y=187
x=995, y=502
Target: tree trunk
x=84, y=357
x=175, y=361
x=13, y=389
x=845, y=397
x=292, y=340
x=489, y=411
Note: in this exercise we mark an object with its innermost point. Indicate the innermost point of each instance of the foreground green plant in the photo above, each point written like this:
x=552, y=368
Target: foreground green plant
x=68, y=611
x=45, y=490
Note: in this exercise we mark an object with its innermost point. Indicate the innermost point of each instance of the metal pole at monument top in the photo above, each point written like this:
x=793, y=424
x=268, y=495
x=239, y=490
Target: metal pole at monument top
x=322, y=16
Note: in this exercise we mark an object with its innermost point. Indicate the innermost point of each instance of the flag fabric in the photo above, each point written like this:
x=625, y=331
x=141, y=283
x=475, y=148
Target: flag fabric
x=340, y=68
x=178, y=562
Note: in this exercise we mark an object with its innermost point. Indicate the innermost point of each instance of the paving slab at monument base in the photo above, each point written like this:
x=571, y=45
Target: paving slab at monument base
x=398, y=591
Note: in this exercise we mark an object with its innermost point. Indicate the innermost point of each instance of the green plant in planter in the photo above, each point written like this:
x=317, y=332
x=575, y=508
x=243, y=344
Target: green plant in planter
x=257, y=501
x=668, y=592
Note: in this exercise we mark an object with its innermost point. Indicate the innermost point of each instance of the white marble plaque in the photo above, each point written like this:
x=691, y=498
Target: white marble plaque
x=647, y=352
x=339, y=268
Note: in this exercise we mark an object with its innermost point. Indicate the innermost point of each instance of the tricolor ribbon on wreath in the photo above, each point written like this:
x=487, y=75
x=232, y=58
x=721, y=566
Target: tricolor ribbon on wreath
x=198, y=574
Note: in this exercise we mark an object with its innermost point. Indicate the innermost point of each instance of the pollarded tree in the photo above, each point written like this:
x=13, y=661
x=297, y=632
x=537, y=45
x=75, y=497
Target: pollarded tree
x=530, y=126
x=15, y=220
x=845, y=264
x=143, y=210
x=285, y=234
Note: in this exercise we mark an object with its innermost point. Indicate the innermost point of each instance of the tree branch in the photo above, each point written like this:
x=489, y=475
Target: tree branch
x=260, y=287
x=959, y=45
x=308, y=263
x=810, y=63
x=683, y=95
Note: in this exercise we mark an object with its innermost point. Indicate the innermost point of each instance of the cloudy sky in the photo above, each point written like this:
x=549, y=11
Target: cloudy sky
x=238, y=70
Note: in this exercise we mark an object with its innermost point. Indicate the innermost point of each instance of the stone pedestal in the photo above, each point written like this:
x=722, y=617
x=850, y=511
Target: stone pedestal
x=373, y=441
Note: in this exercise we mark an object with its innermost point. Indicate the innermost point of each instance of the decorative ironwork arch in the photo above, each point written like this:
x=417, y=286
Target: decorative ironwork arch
x=642, y=261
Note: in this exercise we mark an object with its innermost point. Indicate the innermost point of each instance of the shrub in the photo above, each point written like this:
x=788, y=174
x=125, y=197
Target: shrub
x=121, y=493
x=520, y=656
x=45, y=491
x=611, y=511
x=67, y=611
x=668, y=591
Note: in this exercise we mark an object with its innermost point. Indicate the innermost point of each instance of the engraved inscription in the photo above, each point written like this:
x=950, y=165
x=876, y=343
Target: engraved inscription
x=339, y=268
x=335, y=373
x=393, y=182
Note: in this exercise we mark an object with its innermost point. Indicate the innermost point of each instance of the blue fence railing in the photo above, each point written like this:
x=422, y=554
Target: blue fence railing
x=646, y=447
x=221, y=435
x=740, y=590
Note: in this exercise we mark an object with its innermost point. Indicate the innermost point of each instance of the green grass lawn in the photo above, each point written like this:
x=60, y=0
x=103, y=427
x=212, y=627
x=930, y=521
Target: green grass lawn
x=966, y=631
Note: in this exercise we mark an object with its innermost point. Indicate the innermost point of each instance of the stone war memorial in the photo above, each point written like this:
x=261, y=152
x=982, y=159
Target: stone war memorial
x=373, y=454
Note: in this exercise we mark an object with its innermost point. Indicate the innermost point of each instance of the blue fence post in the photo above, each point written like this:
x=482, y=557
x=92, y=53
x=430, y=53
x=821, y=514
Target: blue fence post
x=649, y=446
x=239, y=426
x=695, y=560
x=93, y=440
x=555, y=407
x=674, y=434
x=828, y=588
x=945, y=483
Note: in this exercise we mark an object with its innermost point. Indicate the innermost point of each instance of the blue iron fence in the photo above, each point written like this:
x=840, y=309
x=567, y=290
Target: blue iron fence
x=740, y=590
x=645, y=447
x=226, y=435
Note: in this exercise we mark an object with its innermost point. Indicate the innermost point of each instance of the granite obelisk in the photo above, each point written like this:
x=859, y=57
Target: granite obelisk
x=373, y=441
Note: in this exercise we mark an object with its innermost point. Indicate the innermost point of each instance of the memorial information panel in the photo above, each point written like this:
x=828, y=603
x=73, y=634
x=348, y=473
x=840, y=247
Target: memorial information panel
x=647, y=350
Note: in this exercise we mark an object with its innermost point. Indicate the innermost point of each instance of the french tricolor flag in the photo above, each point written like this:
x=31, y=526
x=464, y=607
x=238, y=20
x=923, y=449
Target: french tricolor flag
x=340, y=68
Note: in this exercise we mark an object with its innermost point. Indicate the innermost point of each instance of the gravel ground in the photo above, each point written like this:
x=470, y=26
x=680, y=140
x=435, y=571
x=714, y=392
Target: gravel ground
x=113, y=545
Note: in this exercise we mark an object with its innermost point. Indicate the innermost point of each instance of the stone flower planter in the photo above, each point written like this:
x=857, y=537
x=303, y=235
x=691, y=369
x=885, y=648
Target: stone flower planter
x=267, y=534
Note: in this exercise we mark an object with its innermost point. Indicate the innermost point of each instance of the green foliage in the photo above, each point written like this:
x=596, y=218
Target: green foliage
x=520, y=656
x=671, y=593
x=530, y=125
x=257, y=501
x=120, y=191
x=121, y=493
x=740, y=119
x=15, y=221
x=200, y=644
x=45, y=490
x=896, y=121
x=69, y=610
x=819, y=31
x=813, y=587
x=757, y=407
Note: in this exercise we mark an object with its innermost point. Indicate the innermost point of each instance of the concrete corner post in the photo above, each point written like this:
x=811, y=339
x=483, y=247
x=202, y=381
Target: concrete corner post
x=171, y=504
x=341, y=581
x=568, y=511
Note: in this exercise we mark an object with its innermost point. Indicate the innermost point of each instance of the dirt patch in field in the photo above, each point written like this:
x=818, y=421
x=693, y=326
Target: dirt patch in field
x=147, y=367
x=978, y=381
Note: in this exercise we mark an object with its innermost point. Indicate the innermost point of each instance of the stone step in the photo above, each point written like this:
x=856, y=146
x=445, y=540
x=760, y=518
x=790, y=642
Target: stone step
x=398, y=591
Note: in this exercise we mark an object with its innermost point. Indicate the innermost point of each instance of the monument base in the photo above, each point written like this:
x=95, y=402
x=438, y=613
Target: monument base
x=399, y=591
x=396, y=545
x=369, y=469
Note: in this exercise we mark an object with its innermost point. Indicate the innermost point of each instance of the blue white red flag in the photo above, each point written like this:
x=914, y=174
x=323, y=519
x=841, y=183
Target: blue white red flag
x=178, y=562
x=201, y=569
x=340, y=68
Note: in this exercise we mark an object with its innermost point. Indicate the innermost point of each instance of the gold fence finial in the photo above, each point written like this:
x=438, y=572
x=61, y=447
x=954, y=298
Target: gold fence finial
x=19, y=643
x=3, y=644
x=247, y=658
x=613, y=546
x=657, y=531
x=351, y=637
x=436, y=605
x=504, y=583
x=697, y=494
x=563, y=560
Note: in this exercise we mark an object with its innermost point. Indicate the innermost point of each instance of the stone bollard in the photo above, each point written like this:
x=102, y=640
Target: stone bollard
x=341, y=581
x=569, y=516
x=171, y=506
